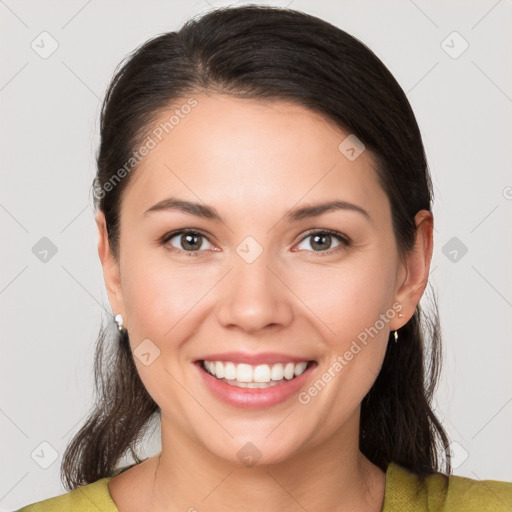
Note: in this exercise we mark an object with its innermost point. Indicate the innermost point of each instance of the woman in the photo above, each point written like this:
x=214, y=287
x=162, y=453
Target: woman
x=265, y=231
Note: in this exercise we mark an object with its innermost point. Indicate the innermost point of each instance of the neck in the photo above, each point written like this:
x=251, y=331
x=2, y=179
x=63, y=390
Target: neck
x=333, y=475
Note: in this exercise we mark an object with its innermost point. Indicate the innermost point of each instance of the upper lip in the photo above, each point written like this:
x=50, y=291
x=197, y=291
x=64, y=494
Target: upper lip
x=254, y=359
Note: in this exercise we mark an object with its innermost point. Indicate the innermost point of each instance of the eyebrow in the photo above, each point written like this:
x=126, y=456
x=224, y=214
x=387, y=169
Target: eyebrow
x=208, y=212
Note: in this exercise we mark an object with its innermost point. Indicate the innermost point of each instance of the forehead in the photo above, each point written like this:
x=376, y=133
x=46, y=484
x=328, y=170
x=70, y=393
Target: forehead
x=252, y=156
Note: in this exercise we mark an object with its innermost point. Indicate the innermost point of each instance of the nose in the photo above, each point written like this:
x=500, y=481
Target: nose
x=254, y=296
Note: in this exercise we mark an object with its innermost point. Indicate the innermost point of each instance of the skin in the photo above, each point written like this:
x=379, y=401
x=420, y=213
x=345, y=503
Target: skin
x=253, y=161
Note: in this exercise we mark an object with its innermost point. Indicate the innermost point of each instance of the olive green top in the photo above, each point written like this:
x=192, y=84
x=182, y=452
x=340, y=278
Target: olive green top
x=404, y=492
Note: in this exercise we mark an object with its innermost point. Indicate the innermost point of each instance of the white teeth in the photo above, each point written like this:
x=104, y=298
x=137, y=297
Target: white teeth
x=277, y=372
x=219, y=370
x=243, y=372
x=252, y=385
x=229, y=371
x=289, y=371
x=261, y=373
x=260, y=376
x=299, y=368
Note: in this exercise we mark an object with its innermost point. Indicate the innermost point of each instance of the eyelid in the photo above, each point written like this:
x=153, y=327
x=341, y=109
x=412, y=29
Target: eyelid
x=184, y=231
x=344, y=240
x=336, y=234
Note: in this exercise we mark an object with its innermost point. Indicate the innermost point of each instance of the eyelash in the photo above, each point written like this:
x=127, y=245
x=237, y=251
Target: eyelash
x=343, y=239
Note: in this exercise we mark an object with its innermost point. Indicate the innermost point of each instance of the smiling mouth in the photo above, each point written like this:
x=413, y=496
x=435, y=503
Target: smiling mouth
x=259, y=376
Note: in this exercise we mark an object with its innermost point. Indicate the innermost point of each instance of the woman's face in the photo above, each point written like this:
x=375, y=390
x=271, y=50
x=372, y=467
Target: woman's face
x=253, y=286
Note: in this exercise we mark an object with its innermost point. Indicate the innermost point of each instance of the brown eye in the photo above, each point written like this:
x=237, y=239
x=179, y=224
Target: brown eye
x=322, y=241
x=186, y=241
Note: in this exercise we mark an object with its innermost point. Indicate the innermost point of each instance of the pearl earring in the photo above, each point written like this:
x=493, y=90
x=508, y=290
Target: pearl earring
x=400, y=315
x=119, y=321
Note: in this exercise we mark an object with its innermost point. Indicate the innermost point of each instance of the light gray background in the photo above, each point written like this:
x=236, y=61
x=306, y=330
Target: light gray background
x=51, y=311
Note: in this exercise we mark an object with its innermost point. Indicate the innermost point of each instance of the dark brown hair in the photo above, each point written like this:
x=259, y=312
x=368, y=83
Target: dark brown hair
x=268, y=53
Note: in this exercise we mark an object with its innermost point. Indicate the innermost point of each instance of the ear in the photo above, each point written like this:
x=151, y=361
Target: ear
x=111, y=271
x=416, y=268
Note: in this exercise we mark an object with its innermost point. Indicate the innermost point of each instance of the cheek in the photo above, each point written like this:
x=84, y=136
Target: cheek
x=159, y=301
x=158, y=294
x=348, y=298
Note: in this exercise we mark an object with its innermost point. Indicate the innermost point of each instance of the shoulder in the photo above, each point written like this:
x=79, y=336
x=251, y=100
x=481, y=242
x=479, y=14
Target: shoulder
x=442, y=493
x=90, y=497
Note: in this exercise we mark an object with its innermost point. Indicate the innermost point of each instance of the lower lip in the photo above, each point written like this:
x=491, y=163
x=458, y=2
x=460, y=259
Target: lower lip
x=254, y=398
